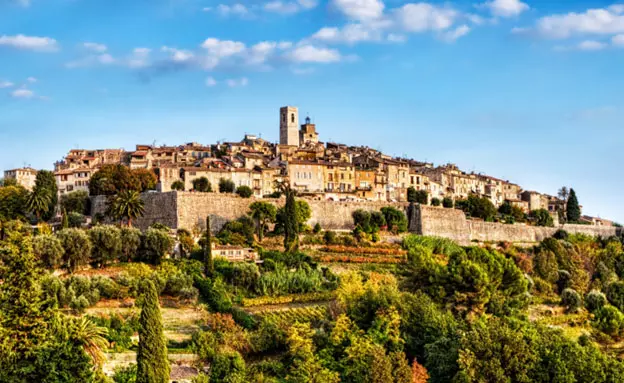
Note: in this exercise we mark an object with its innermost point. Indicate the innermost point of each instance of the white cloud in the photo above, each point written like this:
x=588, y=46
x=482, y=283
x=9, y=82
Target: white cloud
x=23, y=3
x=360, y=9
x=22, y=93
x=178, y=55
x=396, y=38
x=5, y=84
x=591, y=45
x=91, y=60
x=289, y=7
x=350, y=34
x=456, y=33
x=95, y=47
x=234, y=9
x=233, y=82
x=33, y=43
x=312, y=54
x=210, y=81
x=618, y=40
x=506, y=8
x=302, y=71
x=207, y=9
x=31, y=80
x=139, y=58
x=222, y=48
x=423, y=17
x=601, y=21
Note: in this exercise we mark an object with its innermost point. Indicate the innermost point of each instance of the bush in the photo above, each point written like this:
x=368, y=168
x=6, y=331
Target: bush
x=571, y=300
x=317, y=228
x=615, y=294
x=329, y=237
x=542, y=217
x=177, y=185
x=200, y=184
x=80, y=304
x=417, y=196
x=77, y=248
x=125, y=374
x=76, y=220
x=49, y=250
x=595, y=300
x=561, y=234
x=106, y=242
x=155, y=245
x=107, y=288
x=609, y=320
x=395, y=219
x=447, y=202
x=76, y=202
x=130, y=242
x=226, y=186
x=477, y=207
x=244, y=191
x=435, y=202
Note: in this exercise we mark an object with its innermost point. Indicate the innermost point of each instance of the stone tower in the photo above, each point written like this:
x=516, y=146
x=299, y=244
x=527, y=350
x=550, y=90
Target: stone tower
x=289, y=126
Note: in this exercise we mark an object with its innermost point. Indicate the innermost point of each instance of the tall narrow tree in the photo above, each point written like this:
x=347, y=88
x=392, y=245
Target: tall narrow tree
x=152, y=363
x=208, y=261
x=291, y=225
x=573, y=210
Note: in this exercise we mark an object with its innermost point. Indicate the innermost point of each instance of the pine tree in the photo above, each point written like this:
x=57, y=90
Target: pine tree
x=208, y=261
x=152, y=363
x=291, y=224
x=573, y=210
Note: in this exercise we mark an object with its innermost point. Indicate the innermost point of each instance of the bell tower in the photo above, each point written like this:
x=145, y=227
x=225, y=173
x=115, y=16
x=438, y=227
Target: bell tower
x=289, y=126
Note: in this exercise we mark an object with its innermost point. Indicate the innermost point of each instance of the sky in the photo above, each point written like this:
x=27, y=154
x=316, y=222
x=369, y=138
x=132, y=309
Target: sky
x=525, y=91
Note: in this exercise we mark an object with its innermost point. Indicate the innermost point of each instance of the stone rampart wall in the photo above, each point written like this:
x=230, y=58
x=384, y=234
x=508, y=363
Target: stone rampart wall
x=188, y=210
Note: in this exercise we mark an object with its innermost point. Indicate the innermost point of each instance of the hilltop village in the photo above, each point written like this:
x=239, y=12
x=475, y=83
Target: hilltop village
x=317, y=170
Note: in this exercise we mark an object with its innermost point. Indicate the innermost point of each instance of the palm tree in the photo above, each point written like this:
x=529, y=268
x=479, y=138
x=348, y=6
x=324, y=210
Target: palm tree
x=129, y=205
x=91, y=338
x=38, y=202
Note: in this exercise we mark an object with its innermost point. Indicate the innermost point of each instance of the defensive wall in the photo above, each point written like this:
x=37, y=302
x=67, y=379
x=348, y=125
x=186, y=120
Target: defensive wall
x=189, y=210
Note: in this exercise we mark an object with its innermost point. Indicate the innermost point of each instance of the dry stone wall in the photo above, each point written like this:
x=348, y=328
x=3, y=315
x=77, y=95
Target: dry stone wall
x=189, y=210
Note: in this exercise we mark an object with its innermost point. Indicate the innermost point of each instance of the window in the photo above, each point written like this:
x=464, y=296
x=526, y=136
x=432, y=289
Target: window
x=283, y=117
x=292, y=118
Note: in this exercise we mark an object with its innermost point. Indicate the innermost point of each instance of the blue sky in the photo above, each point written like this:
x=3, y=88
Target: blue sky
x=526, y=91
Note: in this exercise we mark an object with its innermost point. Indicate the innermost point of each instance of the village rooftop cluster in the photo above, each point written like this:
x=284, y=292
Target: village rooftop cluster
x=327, y=171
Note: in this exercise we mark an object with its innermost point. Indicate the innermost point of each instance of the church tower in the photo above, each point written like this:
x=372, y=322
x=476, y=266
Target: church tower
x=289, y=126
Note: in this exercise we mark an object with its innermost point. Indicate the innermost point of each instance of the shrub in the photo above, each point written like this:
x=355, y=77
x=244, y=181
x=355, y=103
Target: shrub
x=395, y=219
x=77, y=248
x=130, y=242
x=49, y=250
x=106, y=242
x=155, y=245
x=542, y=217
x=226, y=186
x=125, y=374
x=417, y=196
x=377, y=220
x=571, y=300
x=76, y=202
x=361, y=219
x=329, y=237
x=79, y=304
x=200, y=184
x=609, y=320
x=478, y=207
x=435, y=202
x=317, y=228
x=244, y=191
x=107, y=288
x=177, y=185
x=447, y=202
x=561, y=234
x=595, y=300
x=615, y=294
x=76, y=220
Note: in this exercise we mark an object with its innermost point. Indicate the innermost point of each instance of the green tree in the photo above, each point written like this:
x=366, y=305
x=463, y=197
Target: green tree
x=226, y=186
x=478, y=207
x=76, y=202
x=64, y=220
x=291, y=224
x=106, y=241
x=143, y=180
x=542, y=217
x=130, y=243
x=45, y=182
x=244, y=191
x=77, y=248
x=152, y=363
x=201, y=184
x=417, y=196
x=573, y=210
x=263, y=213
x=435, y=202
x=49, y=250
x=395, y=219
x=38, y=202
x=228, y=367
x=127, y=205
x=113, y=179
x=208, y=260
x=305, y=366
x=155, y=245
x=178, y=185
x=447, y=202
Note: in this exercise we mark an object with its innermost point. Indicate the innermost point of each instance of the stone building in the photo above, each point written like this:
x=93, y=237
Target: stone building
x=289, y=126
x=306, y=176
x=308, y=134
x=23, y=176
x=73, y=179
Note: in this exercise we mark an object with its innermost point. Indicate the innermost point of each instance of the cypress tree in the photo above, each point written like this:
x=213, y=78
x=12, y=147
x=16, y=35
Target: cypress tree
x=573, y=210
x=65, y=221
x=208, y=261
x=152, y=363
x=291, y=225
